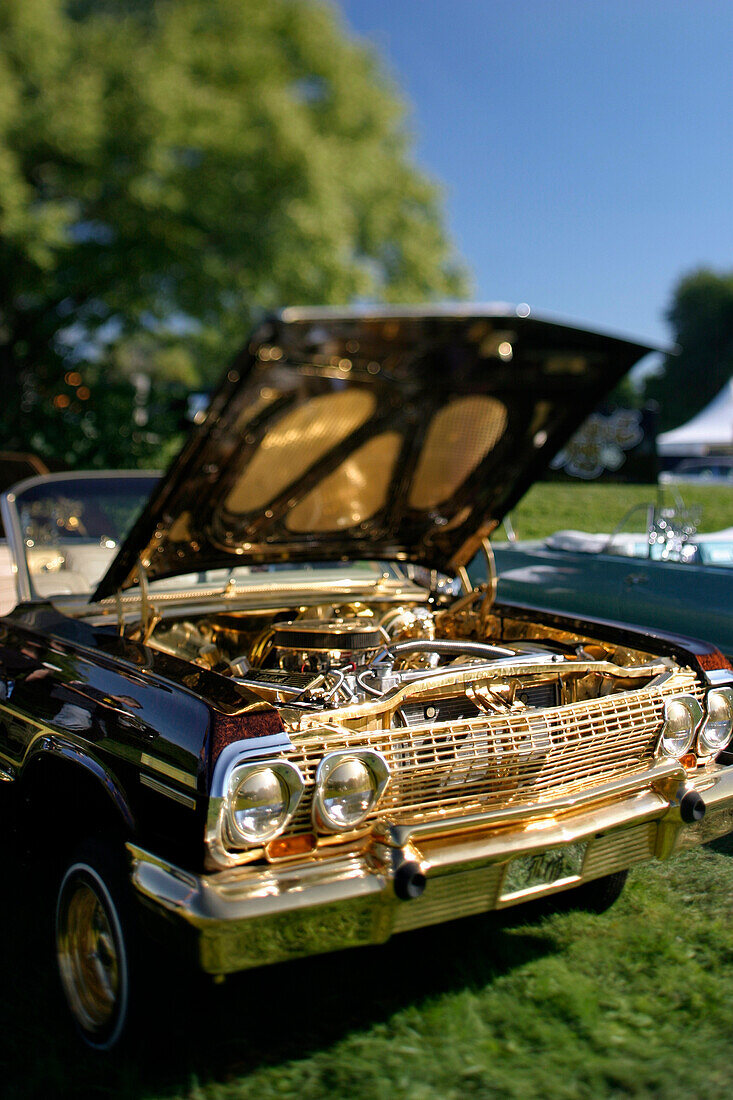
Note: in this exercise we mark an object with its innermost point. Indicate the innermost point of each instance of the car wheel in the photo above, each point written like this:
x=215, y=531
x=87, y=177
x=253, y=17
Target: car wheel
x=93, y=945
x=598, y=895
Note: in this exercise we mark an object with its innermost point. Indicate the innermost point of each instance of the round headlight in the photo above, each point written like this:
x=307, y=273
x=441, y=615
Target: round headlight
x=262, y=800
x=682, y=716
x=718, y=726
x=348, y=787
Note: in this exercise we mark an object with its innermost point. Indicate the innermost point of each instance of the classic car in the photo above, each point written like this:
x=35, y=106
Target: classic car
x=265, y=714
x=655, y=571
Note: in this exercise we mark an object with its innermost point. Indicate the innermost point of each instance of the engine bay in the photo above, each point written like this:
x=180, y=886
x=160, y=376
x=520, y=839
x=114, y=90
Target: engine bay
x=405, y=665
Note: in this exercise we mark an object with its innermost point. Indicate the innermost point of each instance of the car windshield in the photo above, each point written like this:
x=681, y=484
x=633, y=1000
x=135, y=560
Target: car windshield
x=71, y=528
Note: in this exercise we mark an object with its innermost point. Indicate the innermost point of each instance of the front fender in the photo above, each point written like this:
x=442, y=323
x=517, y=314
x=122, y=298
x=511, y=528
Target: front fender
x=54, y=748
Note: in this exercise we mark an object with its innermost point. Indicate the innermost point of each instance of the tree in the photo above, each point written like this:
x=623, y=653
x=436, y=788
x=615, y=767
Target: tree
x=167, y=170
x=701, y=316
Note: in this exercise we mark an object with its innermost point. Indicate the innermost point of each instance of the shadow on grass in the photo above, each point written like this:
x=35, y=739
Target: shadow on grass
x=264, y=1017
x=723, y=845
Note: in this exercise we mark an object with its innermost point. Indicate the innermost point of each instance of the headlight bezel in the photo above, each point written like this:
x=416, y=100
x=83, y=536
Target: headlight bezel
x=696, y=714
x=705, y=747
x=291, y=780
x=376, y=764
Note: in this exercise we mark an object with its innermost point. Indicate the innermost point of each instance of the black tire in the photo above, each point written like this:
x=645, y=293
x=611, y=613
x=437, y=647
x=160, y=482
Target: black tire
x=96, y=944
x=598, y=895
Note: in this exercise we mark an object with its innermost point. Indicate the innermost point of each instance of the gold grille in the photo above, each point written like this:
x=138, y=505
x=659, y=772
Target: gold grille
x=451, y=768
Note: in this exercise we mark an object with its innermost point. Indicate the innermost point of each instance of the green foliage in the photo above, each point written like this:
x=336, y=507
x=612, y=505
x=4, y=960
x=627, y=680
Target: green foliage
x=628, y=394
x=701, y=316
x=170, y=169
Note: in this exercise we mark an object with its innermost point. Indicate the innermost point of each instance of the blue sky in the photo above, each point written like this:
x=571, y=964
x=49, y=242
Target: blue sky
x=585, y=146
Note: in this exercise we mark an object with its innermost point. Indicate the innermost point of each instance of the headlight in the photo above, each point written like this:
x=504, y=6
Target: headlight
x=682, y=716
x=718, y=726
x=348, y=787
x=262, y=799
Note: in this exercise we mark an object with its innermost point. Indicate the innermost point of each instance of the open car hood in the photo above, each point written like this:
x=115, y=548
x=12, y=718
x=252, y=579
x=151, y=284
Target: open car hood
x=393, y=434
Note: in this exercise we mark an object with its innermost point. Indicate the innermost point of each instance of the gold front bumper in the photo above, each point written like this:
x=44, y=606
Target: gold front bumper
x=247, y=917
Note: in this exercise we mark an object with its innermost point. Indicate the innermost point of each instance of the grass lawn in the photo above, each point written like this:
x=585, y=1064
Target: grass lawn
x=555, y=506
x=637, y=1002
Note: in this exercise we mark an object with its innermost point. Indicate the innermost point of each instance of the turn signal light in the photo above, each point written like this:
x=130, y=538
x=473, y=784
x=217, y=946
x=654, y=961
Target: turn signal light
x=689, y=760
x=285, y=846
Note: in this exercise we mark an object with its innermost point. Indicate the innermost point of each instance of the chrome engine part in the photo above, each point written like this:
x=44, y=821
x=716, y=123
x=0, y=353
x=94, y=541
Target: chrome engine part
x=315, y=645
x=406, y=664
x=336, y=662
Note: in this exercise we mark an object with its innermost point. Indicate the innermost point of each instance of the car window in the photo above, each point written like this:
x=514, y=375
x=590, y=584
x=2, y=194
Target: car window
x=72, y=527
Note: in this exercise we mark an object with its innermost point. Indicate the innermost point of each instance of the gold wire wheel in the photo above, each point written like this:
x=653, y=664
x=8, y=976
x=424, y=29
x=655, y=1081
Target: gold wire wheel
x=89, y=953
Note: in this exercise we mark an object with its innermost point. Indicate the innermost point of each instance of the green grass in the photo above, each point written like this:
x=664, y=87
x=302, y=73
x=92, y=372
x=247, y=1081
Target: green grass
x=555, y=506
x=637, y=1002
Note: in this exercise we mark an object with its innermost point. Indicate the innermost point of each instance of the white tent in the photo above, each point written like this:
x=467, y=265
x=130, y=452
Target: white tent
x=710, y=432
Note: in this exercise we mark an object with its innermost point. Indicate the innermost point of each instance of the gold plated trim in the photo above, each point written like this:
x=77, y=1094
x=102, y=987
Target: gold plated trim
x=25, y=718
x=252, y=916
x=169, y=770
x=665, y=775
x=472, y=676
x=510, y=762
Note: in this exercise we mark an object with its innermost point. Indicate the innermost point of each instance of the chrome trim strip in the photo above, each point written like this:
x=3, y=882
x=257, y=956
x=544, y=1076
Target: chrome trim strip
x=240, y=752
x=14, y=535
x=719, y=677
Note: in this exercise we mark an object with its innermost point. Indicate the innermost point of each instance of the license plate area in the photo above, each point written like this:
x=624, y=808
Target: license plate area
x=531, y=874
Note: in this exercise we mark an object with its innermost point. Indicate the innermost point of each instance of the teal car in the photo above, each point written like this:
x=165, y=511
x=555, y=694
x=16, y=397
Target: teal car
x=666, y=577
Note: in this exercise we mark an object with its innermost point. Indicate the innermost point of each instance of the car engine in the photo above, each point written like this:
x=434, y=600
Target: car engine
x=412, y=663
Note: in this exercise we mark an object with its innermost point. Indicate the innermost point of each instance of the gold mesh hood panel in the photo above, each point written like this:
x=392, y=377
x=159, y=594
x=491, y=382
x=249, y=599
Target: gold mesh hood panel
x=394, y=434
x=297, y=441
x=354, y=492
x=458, y=438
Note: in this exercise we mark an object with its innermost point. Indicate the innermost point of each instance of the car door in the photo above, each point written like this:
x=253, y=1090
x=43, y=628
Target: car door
x=680, y=597
x=574, y=583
